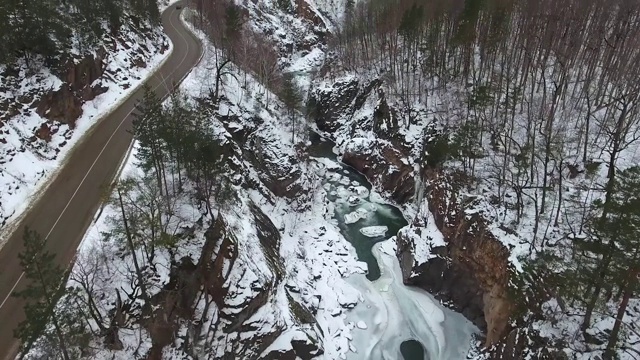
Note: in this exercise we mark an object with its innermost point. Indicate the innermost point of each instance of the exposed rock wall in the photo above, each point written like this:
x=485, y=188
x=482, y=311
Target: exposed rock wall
x=219, y=258
x=385, y=167
x=79, y=85
x=472, y=271
x=276, y=165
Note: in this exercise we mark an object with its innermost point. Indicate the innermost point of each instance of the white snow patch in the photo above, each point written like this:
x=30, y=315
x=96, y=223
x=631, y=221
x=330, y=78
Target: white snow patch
x=374, y=231
x=353, y=217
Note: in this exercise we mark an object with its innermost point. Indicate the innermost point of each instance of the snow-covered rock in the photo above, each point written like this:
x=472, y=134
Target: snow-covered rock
x=353, y=217
x=374, y=231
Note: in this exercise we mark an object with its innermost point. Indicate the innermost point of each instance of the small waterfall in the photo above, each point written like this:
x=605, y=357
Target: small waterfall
x=418, y=191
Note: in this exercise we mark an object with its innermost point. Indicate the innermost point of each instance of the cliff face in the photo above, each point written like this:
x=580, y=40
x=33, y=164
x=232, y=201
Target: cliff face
x=472, y=270
x=79, y=85
x=235, y=299
x=385, y=167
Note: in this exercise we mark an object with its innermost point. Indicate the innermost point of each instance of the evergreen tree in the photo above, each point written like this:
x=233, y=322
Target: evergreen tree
x=611, y=254
x=233, y=23
x=620, y=231
x=411, y=22
x=113, y=14
x=285, y=5
x=292, y=99
x=6, y=41
x=45, y=287
x=152, y=11
x=148, y=125
x=46, y=28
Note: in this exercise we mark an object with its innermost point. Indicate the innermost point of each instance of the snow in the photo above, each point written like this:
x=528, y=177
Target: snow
x=374, y=231
x=376, y=198
x=562, y=220
x=164, y=4
x=353, y=217
x=27, y=167
x=333, y=10
x=316, y=258
x=422, y=236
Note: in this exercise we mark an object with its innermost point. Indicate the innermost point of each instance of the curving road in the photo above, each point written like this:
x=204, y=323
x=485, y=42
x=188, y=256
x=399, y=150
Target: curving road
x=65, y=210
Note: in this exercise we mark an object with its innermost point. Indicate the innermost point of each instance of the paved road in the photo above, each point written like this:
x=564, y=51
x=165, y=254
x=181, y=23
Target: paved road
x=66, y=209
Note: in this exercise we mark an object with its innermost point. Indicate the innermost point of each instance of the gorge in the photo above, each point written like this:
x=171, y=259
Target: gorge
x=393, y=320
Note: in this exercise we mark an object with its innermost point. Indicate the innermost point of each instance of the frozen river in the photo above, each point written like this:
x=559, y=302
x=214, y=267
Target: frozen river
x=393, y=321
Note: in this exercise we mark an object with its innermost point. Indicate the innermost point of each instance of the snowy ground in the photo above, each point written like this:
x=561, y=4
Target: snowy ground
x=27, y=164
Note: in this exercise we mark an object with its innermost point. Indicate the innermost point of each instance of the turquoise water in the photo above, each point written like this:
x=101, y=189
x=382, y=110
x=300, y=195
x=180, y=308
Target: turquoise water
x=412, y=350
x=377, y=214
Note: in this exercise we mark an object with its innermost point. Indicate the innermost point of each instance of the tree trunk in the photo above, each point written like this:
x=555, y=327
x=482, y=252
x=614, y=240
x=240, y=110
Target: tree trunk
x=141, y=281
x=613, y=338
x=597, y=287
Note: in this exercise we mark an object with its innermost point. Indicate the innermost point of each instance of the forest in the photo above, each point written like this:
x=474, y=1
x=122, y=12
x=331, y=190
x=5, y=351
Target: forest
x=78, y=314
x=538, y=102
x=51, y=29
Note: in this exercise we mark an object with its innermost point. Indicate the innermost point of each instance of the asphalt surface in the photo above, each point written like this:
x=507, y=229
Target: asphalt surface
x=65, y=210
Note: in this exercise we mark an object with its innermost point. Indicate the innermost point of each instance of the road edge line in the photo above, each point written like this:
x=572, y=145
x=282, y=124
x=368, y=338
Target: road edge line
x=39, y=191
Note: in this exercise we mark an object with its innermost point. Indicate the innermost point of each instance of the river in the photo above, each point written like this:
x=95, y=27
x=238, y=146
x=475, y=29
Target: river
x=392, y=321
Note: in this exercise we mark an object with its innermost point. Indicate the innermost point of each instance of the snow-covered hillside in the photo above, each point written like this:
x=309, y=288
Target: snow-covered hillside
x=388, y=138
x=300, y=279
x=38, y=130
x=281, y=280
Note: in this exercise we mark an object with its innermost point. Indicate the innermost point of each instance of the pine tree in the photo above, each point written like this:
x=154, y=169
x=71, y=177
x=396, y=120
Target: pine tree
x=7, y=41
x=233, y=23
x=152, y=11
x=113, y=14
x=292, y=99
x=621, y=232
x=148, y=125
x=45, y=287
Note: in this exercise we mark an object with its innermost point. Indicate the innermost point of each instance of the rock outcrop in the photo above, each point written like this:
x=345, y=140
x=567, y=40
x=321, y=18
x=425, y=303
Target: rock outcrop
x=218, y=262
x=303, y=349
x=275, y=163
x=65, y=104
x=384, y=165
x=331, y=107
